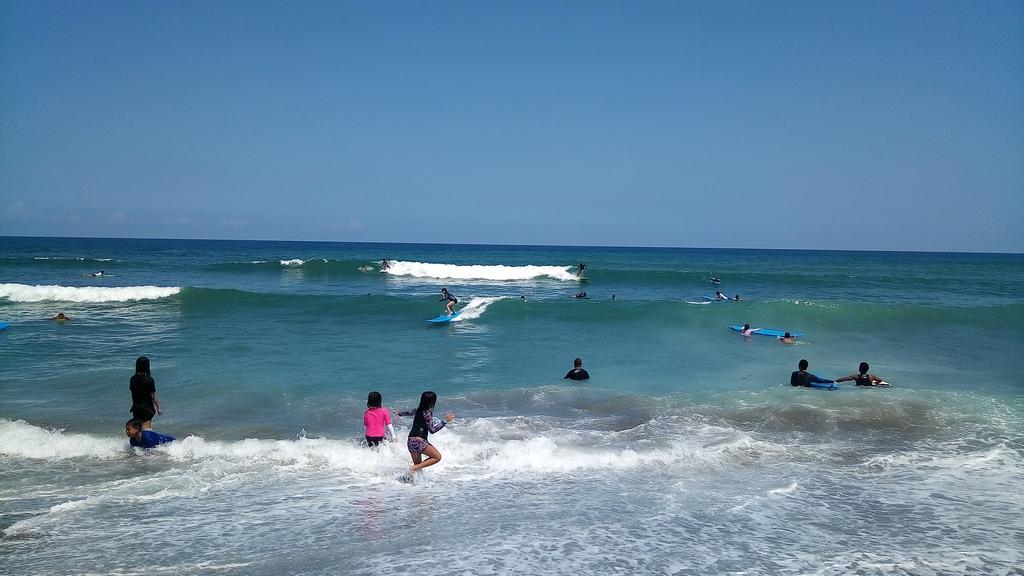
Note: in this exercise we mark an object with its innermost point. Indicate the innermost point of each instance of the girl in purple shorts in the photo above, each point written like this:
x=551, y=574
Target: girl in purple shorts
x=423, y=424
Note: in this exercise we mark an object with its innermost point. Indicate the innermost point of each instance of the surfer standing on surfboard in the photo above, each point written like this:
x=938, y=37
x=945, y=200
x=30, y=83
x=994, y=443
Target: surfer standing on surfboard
x=449, y=299
x=581, y=269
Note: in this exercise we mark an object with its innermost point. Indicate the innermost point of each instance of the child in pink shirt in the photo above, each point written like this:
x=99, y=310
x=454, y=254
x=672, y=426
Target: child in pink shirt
x=375, y=419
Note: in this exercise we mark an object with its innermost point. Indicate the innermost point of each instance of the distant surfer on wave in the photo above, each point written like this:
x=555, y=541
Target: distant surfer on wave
x=863, y=378
x=384, y=264
x=580, y=269
x=449, y=299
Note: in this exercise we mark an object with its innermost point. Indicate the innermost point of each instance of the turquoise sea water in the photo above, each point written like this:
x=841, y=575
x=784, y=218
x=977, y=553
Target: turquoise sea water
x=686, y=453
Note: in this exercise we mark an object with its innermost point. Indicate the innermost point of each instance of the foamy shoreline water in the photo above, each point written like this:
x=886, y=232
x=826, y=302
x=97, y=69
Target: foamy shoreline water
x=687, y=452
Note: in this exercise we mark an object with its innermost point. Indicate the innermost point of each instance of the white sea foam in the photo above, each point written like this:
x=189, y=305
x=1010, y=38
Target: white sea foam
x=293, y=262
x=21, y=439
x=476, y=307
x=55, y=293
x=478, y=272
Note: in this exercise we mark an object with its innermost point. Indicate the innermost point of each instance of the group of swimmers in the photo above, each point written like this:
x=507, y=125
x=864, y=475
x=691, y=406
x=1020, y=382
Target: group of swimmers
x=801, y=377
x=376, y=419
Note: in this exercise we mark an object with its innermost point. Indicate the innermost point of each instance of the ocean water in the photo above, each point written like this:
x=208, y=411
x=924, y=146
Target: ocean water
x=686, y=453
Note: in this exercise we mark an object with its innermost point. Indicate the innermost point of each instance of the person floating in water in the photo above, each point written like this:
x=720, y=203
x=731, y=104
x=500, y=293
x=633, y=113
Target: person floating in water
x=145, y=404
x=375, y=419
x=719, y=297
x=787, y=338
x=140, y=438
x=449, y=300
x=714, y=279
x=424, y=424
x=580, y=295
x=100, y=273
x=60, y=317
x=580, y=269
x=737, y=298
x=863, y=378
x=748, y=331
x=577, y=372
x=804, y=378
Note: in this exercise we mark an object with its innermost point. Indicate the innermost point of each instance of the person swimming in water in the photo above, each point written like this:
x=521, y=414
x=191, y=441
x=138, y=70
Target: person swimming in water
x=60, y=317
x=714, y=279
x=748, y=331
x=140, y=438
x=804, y=378
x=424, y=424
x=577, y=372
x=862, y=378
x=580, y=295
x=719, y=296
x=787, y=338
x=737, y=298
x=449, y=300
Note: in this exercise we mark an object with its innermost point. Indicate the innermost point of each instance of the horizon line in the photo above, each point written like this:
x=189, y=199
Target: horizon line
x=601, y=246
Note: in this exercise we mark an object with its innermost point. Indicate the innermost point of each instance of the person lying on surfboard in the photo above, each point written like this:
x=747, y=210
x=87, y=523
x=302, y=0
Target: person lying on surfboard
x=804, y=378
x=449, y=299
x=863, y=378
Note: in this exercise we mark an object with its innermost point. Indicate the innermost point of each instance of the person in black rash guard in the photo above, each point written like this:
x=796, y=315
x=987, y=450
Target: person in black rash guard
x=577, y=372
x=449, y=299
x=581, y=269
x=145, y=404
x=862, y=378
x=424, y=424
x=804, y=378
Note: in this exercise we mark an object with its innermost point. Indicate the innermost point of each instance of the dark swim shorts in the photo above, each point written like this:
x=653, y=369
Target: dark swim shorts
x=417, y=445
x=143, y=412
x=372, y=441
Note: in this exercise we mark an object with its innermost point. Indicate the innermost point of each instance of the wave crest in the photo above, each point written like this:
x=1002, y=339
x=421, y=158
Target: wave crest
x=478, y=271
x=56, y=293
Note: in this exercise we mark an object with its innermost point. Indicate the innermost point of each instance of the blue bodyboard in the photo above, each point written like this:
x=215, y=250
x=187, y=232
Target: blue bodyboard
x=4, y=325
x=444, y=318
x=824, y=386
x=767, y=331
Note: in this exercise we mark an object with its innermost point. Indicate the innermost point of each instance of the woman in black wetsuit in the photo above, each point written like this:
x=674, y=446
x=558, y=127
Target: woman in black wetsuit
x=423, y=424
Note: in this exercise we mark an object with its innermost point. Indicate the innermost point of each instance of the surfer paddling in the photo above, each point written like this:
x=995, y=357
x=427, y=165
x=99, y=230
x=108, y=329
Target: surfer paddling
x=862, y=378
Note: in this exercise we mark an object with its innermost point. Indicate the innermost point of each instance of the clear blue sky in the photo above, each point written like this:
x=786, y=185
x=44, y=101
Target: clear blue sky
x=853, y=125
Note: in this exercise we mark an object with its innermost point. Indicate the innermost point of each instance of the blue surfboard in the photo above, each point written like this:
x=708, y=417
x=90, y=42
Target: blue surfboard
x=824, y=386
x=444, y=318
x=4, y=325
x=767, y=331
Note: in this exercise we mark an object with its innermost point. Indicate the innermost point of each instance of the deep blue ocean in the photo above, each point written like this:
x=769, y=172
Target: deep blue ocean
x=687, y=452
